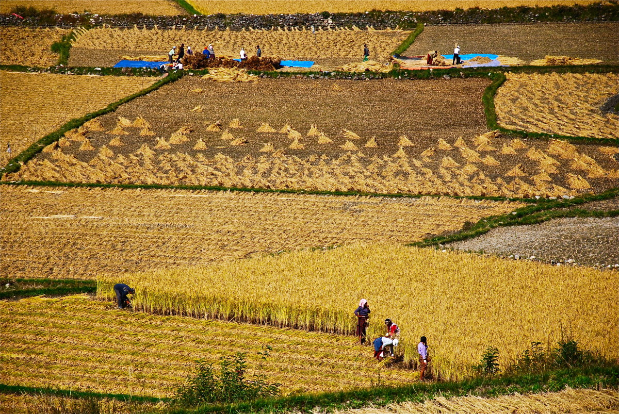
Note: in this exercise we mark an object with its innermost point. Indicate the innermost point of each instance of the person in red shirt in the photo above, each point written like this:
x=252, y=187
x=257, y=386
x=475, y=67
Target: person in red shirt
x=393, y=331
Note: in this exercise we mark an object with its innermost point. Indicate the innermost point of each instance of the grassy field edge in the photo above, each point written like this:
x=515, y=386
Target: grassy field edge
x=409, y=40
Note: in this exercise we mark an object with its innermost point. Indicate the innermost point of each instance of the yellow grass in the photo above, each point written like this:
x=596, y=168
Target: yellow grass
x=78, y=343
x=29, y=47
x=283, y=43
x=564, y=104
x=62, y=232
x=346, y=6
x=33, y=105
x=150, y=7
x=41, y=403
x=462, y=303
x=566, y=401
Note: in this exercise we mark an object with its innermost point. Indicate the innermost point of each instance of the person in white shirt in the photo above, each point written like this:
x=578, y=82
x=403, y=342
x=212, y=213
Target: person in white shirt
x=243, y=54
x=456, y=58
x=422, y=350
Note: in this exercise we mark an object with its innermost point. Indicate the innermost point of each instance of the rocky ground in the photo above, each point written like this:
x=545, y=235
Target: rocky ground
x=565, y=241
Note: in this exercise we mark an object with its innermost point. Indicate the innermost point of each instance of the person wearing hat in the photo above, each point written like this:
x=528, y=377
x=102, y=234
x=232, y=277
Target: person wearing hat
x=122, y=291
x=171, y=54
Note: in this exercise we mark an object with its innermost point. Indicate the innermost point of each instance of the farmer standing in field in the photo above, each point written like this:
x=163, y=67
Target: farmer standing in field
x=366, y=52
x=258, y=51
x=456, y=58
x=422, y=350
x=211, y=50
x=363, y=314
x=181, y=53
x=122, y=291
x=171, y=54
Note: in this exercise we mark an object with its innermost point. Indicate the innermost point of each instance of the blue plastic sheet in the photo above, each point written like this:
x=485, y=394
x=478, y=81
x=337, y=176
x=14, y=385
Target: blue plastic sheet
x=297, y=63
x=138, y=64
x=470, y=56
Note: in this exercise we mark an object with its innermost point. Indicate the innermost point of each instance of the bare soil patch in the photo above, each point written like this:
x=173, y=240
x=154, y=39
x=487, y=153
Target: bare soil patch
x=524, y=41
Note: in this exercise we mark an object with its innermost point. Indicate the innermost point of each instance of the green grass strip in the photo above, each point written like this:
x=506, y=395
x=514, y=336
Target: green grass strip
x=188, y=7
x=592, y=377
x=534, y=214
x=22, y=288
x=63, y=48
x=18, y=389
x=15, y=163
x=498, y=78
x=409, y=40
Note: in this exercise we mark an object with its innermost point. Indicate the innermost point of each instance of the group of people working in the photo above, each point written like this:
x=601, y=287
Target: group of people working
x=208, y=51
x=384, y=345
x=430, y=58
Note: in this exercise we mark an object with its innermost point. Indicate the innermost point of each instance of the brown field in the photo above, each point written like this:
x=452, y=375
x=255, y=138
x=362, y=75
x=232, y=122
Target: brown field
x=371, y=136
x=29, y=47
x=78, y=343
x=346, y=6
x=565, y=104
x=33, y=105
x=105, y=46
x=150, y=7
x=527, y=42
x=80, y=233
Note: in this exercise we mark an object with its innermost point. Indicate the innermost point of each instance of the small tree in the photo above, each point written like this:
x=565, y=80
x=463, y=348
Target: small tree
x=489, y=364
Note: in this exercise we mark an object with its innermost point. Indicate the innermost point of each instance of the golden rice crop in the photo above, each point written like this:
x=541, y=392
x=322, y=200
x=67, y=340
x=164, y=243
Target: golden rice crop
x=284, y=43
x=62, y=232
x=356, y=6
x=41, y=403
x=149, y=7
x=33, y=105
x=566, y=401
x=29, y=46
x=66, y=343
x=462, y=303
x=564, y=104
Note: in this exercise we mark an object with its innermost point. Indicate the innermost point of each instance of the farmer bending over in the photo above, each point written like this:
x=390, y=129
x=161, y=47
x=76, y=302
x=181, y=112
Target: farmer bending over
x=380, y=346
x=122, y=291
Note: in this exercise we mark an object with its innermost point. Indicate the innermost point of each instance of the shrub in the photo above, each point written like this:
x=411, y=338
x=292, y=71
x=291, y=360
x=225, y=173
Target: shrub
x=231, y=386
x=489, y=364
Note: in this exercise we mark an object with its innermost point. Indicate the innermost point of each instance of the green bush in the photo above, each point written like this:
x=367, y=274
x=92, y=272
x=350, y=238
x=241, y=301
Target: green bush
x=205, y=386
x=489, y=364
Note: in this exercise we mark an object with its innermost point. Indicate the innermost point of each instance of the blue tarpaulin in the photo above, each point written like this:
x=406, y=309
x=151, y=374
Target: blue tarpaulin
x=138, y=64
x=470, y=56
x=297, y=63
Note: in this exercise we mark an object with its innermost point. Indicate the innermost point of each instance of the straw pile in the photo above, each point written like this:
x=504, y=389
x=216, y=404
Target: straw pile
x=230, y=75
x=564, y=61
x=368, y=66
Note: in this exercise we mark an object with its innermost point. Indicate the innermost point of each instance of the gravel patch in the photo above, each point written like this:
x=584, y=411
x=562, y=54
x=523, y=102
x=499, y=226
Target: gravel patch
x=573, y=241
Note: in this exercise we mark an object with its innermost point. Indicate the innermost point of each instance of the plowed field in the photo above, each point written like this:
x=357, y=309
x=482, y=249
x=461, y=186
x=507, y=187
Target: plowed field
x=29, y=47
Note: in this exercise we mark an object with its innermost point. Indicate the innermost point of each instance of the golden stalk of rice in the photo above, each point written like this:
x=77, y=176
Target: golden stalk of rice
x=562, y=149
x=469, y=154
x=63, y=142
x=576, y=182
x=115, y=142
x=146, y=132
x=349, y=146
x=162, y=144
x=118, y=131
x=94, y=125
x=197, y=90
x=371, y=143
x=239, y=141
x=400, y=153
x=141, y=123
x=214, y=127
x=292, y=134
x=517, y=171
x=444, y=145
x=235, y=124
x=106, y=152
x=265, y=127
x=122, y=121
x=198, y=108
x=485, y=147
x=518, y=144
x=200, y=145
x=285, y=129
x=323, y=139
x=404, y=141
x=507, y=150
x=296, y=145
x=51, y=147
x=460, y=143
x=429, y=152
x=86, y=146
x=490, y=161
x=348, y=134
x=227, y=135
x=177, y=138
x=313, y=131
x=449, y=162
x=268, y=147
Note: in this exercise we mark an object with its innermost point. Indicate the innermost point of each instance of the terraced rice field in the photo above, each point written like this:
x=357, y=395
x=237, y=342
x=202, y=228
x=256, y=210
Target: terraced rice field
x=462, y=303
x=104, y=46
x=149, y=7
x=293, y=134
x=81, y=233
x=29, y=46
x=34, y=104
x=77, y=343
x=356, y=6
x=527, y=42
x=563, y=104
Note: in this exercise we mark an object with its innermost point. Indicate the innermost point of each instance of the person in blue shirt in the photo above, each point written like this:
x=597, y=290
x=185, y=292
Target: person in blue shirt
x=122, y=291
x=206, y=52
x=363, y=314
